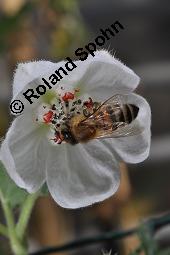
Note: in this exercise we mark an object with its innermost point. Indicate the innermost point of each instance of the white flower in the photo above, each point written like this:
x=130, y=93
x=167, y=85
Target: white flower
x=85, y=173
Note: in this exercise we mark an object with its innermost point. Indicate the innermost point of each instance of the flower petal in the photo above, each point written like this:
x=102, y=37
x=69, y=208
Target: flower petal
x=99, y=76
x=28, y=72
x=134, y=149
x=106, y=76
x=28, y=76
x=81, y=175
x=22, y=153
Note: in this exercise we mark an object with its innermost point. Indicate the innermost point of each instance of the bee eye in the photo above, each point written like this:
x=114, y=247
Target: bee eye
x=65, y=133
x=68, y=137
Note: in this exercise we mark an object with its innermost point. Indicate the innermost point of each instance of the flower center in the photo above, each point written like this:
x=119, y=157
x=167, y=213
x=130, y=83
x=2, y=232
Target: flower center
x=59, y=113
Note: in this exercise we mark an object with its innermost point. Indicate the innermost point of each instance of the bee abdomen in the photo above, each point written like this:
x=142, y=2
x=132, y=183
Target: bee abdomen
x=129, y=112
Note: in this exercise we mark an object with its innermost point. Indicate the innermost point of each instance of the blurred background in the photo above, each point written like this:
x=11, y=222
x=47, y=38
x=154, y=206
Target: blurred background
x=54, y=29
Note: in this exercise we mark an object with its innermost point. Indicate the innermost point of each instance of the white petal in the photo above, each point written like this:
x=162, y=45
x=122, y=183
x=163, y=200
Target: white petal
x=29, y=76
x=106, y=76
x=28, y=72
x=81, y=175
x=23, y=153
x=99, y=76
x=134, y=149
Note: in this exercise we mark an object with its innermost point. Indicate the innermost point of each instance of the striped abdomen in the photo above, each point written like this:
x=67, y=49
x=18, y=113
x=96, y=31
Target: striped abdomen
x=125, y=113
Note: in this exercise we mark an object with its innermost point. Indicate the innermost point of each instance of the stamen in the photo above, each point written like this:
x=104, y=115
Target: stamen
x=58, y=114
x=89, y=103
x=48, y=117
x=67, y=96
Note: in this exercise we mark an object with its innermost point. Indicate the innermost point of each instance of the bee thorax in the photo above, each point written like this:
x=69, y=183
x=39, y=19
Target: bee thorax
x=84, y=134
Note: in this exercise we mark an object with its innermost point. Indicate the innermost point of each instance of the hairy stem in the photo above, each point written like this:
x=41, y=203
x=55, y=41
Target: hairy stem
x=3, y=230
x=25, y=215
x=16, y=246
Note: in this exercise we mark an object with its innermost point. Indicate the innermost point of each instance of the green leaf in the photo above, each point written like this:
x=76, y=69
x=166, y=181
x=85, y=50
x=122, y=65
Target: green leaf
x=44, y=190
x=164, y=252
x=147, y=242
x=11, y=192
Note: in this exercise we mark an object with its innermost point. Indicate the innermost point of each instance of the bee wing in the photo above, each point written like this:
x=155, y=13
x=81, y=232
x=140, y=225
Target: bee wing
x=123, y=130
x=115, y=101
x=120, y=129
x=107, y=127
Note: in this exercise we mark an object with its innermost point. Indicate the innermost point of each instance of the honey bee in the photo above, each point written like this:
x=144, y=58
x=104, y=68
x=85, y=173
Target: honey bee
x=110, y=119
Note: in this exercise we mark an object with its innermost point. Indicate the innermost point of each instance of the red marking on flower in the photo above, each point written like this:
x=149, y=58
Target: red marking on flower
x=67, y=96
x=47, y=117
x=89, y=104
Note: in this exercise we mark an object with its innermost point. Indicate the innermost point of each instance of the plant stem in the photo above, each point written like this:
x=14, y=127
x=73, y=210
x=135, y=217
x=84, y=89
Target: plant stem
x=25, y=215
x=16, y=246
x=3, y=230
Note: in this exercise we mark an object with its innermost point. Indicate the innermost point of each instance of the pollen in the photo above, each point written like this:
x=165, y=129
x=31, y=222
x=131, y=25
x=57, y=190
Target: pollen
x=59, y=113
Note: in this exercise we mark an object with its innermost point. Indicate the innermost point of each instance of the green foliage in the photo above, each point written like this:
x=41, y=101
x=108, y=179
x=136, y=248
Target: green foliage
x=148, y=245
x=11, y=23
x=44, y=190
x=165, y=252
x=136, y=252
x=64, y=6
x=11, y=192
x=14, y=195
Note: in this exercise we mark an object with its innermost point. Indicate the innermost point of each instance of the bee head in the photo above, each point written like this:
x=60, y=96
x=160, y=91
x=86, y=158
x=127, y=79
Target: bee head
x=68, y=136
